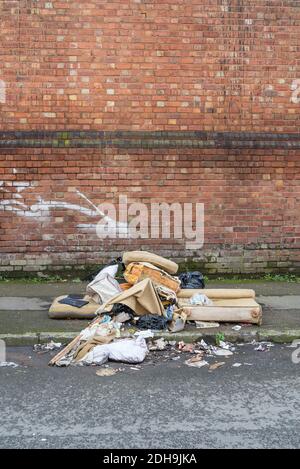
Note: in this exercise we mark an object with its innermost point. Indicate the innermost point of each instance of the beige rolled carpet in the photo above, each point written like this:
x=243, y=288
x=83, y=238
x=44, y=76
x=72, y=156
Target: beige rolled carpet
x=145, y=256
x=218, y=293
x=251, y=314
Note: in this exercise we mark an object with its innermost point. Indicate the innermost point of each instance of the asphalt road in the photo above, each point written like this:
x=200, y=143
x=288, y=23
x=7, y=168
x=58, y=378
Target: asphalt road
x=165, y=404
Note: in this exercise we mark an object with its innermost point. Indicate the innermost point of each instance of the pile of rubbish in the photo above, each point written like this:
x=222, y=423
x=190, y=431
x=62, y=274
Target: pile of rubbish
x=151, y=298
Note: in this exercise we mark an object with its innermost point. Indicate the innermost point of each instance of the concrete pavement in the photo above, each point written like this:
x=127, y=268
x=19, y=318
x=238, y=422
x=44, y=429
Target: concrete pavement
x=24, y=320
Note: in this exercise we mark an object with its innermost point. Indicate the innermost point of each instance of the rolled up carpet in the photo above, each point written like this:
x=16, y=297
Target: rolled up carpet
x=218, y=293
x=251, y=314
x=145, y=256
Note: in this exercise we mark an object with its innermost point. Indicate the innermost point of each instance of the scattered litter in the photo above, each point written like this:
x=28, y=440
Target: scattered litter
x=144, y=334
x=196, y=361
x=47, y=347
x=149, y=300
x=123, y=317
x=224, y=345
x=170, y=312
x=178, y=322
x=262, y=348
x=204, y=345
x=119, y=308
x=215, y=366
x=159, y=344
x=236, y=365
x=107, y=372
x=186, y=347
x=172, y=343
x=134, y=368
x=221, y=352
x=168, y=297
x=206, y=325
x=8, y=364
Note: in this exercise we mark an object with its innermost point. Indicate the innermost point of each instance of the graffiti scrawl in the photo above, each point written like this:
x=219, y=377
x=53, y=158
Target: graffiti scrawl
x=41, y=210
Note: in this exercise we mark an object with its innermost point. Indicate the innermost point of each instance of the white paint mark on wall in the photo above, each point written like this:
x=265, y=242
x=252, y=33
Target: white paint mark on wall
x=41, y=211
x=2, y=92
x=295, y=87
x=107, y=220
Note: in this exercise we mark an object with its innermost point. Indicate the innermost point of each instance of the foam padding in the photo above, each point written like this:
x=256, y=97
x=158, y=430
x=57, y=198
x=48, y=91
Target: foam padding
x=62, y=311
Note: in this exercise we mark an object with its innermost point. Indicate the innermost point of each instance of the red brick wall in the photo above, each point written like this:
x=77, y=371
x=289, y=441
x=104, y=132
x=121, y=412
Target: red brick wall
x=251, y=205
x=151, y=65
x=166, y=66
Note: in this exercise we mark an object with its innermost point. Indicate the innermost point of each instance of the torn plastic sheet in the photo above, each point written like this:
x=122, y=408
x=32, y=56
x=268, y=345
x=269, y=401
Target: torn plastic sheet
x=8, y=364
x=103, y=287
x=196, y=361
x=225, y=350
x=236, y=328
x=144, y=334
x=226, y=345
x=122, y=317
x=47, y=347
x=221, y=352
x=262, y=348
x=200, y=300
x=178, y=322
x=158, y=344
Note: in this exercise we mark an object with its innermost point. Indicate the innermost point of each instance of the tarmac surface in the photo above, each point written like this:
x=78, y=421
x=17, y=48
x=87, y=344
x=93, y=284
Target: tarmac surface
x=162, y=404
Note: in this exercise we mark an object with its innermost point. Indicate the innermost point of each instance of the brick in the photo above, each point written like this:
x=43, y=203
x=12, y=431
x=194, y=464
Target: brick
x=214, y=68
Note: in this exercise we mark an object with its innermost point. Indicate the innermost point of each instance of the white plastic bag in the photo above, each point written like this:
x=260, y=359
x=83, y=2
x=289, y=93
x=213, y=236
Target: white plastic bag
x=103, y=287
x=200, y=300
x=110, y=270
x=125, y=350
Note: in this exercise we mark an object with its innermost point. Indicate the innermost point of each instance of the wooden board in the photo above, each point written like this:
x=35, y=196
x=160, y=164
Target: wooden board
x=72, y=344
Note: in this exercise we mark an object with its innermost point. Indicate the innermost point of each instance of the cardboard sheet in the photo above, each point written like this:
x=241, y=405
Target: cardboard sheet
x=142, y=298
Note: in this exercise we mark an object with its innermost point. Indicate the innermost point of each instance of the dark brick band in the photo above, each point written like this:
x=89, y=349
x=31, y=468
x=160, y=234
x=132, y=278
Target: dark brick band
x=147, y=140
